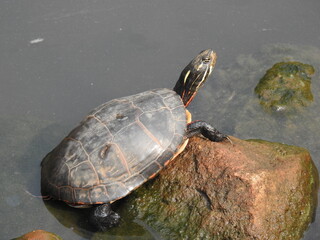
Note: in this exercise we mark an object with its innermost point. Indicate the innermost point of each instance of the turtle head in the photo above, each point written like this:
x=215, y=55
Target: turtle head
x=194, y=75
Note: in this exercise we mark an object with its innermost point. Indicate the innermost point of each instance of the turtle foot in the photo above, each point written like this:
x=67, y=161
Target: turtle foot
x=209, y=132
x=102, y=217
x=215, y=136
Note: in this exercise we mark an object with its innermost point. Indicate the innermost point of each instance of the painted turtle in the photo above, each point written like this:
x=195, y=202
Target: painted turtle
x=124, y=142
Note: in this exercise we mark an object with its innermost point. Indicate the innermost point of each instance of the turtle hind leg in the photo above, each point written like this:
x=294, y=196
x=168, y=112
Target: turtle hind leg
x=102, y=217
x=201, y=127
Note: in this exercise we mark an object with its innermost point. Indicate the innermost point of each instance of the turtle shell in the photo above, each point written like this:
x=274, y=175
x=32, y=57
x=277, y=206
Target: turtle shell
x=116, y=148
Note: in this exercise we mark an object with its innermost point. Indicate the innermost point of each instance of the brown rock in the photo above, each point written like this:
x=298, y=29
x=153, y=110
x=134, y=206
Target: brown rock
x=246, y=190
x=39, y=235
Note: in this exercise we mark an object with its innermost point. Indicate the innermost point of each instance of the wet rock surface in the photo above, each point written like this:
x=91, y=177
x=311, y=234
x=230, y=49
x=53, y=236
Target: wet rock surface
x=246, y=190
x=286, y=86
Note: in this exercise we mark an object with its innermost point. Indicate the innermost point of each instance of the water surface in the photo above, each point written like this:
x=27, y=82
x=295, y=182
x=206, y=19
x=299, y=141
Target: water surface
x=59, y=59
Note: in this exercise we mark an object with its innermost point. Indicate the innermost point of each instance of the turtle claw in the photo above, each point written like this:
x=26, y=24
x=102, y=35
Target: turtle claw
x=227, y=137
x=215, y=136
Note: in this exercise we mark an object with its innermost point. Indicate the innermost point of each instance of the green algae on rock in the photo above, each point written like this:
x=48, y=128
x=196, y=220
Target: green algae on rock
x=245, y=190
x=286, y=86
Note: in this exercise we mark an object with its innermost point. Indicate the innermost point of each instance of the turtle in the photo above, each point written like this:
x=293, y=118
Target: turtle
x=124, y=142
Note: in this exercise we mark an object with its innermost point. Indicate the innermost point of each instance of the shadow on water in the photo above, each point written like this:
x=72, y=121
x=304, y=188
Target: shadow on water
x=77, y=220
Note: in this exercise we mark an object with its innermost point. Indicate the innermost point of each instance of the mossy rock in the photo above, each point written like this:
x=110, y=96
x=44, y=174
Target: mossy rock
x=286, y=86
x=250, y=189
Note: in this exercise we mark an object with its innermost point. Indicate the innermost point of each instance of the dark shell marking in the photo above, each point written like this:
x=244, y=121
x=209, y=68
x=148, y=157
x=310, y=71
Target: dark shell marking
x=116, y=148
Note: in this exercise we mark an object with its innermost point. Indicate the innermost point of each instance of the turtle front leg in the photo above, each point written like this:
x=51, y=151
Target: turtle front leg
x=102, y=217
x=201, y=127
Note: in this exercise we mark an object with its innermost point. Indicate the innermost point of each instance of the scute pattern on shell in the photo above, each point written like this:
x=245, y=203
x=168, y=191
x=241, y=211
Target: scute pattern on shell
x=116, y=148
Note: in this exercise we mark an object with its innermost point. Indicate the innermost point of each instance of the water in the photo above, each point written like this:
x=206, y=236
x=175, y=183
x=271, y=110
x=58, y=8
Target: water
x=59, y=59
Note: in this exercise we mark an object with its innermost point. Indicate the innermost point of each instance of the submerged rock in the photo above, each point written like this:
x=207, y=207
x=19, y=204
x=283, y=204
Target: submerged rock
x=246, y=190
x=286, y=86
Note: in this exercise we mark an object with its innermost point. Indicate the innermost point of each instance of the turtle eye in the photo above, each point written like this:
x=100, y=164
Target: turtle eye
x=206, y=60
